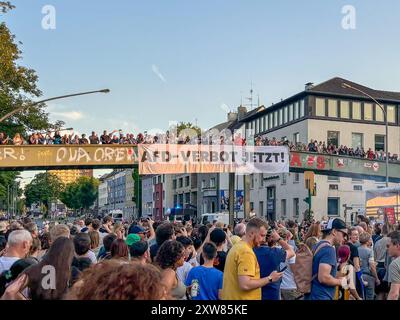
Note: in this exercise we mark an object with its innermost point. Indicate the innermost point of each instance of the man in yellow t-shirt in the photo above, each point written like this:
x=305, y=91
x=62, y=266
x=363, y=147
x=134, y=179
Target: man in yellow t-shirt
x=242, y=272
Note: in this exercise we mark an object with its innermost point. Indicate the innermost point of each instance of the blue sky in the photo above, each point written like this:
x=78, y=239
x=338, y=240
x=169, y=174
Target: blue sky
x=206, y=52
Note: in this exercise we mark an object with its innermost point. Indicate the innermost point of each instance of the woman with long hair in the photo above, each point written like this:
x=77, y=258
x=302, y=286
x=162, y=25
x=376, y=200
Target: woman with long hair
x=18, y=140
x=119, y=250
x=57, y=263
x=94, y=242
x=313, y=231
x=119, y=231
x=170, y=257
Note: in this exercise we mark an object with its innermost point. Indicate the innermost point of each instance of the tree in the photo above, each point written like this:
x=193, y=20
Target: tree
x=44, y=188
x=80, y=194
x=18, y=86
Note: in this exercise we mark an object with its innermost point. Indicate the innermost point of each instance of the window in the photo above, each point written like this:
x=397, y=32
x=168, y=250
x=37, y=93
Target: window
x=157, y=196
x=332, y=108
x=391, y=113
x=333, y=206
x=302, y=109
x=296, y=207
x=379, y=114
x=180, y=182
x=296, y=177
x=187, y=197
x=180, y=199
x=368, y=112
x=174, y=184
x=283, y=207
x=159, y=179
x=290, y=112
x=357, y=188
x=296, y=137
x=356, y=107
x=212, y=183
x=252, y=181
x=285, y=114
x=357, y=140
x=275, y=119
x=333, y=138
x=280, y=116
x=379, y=142
x=261, y=180
x=320, y=107
x=203, y=184
x=187, y=181
x=345, y=109
x=261, y=208
x=333, y=187
x=283, y=178
x=296, y=111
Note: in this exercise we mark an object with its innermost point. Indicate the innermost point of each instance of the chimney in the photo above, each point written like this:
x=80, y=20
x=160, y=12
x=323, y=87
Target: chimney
x=241, y=112
x=232, y=116
x=309, y=85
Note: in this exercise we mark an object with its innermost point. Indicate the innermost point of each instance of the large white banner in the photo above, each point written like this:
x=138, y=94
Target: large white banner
x=180, y=158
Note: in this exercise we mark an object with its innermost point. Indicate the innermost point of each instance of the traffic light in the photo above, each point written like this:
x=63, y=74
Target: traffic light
x=309, y=179
x=314, y=190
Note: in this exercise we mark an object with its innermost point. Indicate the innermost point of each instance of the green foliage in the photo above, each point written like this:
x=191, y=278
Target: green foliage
x=7, y=178
x=44, y=188
x=187, y=125
x=18, y=86
x=80, y=194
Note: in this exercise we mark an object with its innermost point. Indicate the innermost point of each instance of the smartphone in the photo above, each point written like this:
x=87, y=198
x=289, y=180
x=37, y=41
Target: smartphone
x=283, y=269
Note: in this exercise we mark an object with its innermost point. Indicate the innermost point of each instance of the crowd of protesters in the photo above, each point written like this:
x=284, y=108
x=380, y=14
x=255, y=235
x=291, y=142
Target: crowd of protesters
x=117, y=137
x=96, y=259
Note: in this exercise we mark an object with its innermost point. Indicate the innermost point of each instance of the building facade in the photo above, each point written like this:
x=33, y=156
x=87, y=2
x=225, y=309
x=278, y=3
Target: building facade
x=70, y=176
x=332, y=114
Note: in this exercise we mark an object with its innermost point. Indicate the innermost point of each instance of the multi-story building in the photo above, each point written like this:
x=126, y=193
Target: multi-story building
x=147, y=196
x=116, y=191
x=162, y=195
x=70, y=176
x=330, y=113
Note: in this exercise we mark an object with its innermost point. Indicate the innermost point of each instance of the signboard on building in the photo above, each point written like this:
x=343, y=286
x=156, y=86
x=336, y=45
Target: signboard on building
x=173, y=159
x=239, y=196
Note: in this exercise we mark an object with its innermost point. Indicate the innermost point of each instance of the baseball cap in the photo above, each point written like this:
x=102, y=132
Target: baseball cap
x=136, y=229
x=336, y=223
x=132, y=238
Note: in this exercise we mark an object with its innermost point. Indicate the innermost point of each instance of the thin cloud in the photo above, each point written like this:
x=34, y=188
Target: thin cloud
x=70, y=115
x=154, y=68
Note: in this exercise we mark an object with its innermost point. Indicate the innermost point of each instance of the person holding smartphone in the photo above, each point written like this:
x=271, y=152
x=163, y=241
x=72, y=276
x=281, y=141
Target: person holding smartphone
x=274, y=251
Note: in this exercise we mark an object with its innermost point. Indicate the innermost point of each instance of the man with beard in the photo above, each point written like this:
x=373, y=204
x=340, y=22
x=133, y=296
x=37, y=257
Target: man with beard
x=242, y=273
x=324, y=281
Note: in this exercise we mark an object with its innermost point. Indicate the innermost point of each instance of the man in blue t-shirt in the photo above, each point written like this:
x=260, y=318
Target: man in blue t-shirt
x=324, y=266
x=269, y=260
x=205, y=281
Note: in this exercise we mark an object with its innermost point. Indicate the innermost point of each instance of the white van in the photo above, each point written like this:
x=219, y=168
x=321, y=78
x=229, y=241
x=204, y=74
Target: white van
x=117, y=215
x=219, y=216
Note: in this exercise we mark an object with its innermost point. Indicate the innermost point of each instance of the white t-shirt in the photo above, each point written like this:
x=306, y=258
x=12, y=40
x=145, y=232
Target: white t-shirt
x=92, y=256
x=288, y=282
x=6, y=263
x=182, y=272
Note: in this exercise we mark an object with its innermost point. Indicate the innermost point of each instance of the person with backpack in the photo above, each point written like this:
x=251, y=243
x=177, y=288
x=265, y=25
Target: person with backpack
x=315, y=271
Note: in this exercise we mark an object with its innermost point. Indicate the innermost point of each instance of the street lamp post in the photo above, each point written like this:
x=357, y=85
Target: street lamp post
x=347, y=86
x=50, y=99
